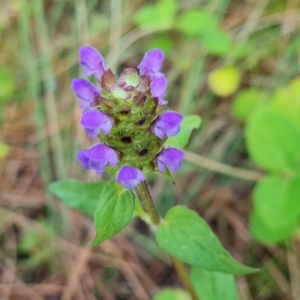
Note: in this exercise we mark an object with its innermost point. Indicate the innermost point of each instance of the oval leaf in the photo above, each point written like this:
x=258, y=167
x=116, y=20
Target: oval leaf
x=273, y=141
x=267, y=235
x=114, y=211
x=213, y=285
x=186, y=236
x=82, y=196
x=172, y=294
x=181, y=139
x=276, y=201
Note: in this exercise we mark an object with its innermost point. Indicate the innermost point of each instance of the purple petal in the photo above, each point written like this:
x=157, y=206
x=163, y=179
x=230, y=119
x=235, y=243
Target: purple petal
x=167, y=124
x=151, y=63
x=81, y=156
x=170, y=158
x=158, y=85
x=97, y=157
x=92, y=60
x=102, y=154
x=130, y=177
x=161, y=100
x=93, y=121
x=85, y=91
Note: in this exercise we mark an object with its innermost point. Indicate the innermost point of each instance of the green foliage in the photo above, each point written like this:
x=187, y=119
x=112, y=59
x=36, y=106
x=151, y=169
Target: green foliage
x=216, y=42
x=155, y=16
x=164, y=43
x=196, y=22
x=7, y=84
x=265, y=234
x=276, y=206
x=181, y=139
x=273, y=141
x=186, y=236
x=172, y=294
x=4, y=150
x=81, y=196
x=224, y=81
x=202, y=24
x=287, y=101
x=213, y=285
x=245, y=103
x=114, y=211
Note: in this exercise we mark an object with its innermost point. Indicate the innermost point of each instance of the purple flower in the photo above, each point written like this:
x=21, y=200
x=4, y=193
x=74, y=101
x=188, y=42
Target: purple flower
x=93, y=61
x=130, y=177
x=93, y=121
x=161, y=100
x=97, y=157
x=167, y=124
x=170, y=158
x=85, y=91
x=151, y=63
x=158, y=85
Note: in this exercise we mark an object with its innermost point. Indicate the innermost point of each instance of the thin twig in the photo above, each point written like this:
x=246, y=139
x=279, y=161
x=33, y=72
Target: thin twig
x=219, y=167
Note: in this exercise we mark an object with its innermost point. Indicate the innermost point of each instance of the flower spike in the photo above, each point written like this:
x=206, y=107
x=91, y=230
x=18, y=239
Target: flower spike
x=126, y=115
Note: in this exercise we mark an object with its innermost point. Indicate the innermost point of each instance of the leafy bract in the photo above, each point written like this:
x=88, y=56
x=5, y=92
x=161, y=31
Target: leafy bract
x=276, y=201
x=172, y=294
x=181, y=139
x=186, y=236
x=263, y=233
x=273, y=140
x=82, y=196
x=213, y=285
x=114, y=211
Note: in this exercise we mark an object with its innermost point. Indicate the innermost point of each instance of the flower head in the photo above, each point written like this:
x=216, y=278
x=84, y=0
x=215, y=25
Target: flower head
x=170, y=158
x=126, y=115
x=94, y=121
x=97, y=157
x=93, y=61
x=85, y=91
x=167, y=124
x=130, y=177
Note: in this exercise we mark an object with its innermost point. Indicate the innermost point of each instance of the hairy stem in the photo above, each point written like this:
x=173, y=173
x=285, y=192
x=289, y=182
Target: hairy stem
x=149, y=206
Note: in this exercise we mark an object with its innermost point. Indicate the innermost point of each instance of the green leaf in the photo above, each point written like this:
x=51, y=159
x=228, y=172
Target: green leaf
x=213, y=285
x=217, y=42
x=181, y=139
x=265, y=234
x=287, y=101
x=186, y=236
x=172, y=294
x=276, y=201
x=273, y=141
x=196, y=22
x=157, y=16
x=4, y=150
x=79, y=195
x=246, y=102
x=114, y=211
x=7, y=84
x=224, y=81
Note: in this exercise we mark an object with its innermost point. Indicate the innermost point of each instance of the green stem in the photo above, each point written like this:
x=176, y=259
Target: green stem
x=146, y=198
x=149, y=206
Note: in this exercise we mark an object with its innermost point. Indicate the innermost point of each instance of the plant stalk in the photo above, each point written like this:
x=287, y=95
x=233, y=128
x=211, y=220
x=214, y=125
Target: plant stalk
x=145, y=196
